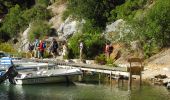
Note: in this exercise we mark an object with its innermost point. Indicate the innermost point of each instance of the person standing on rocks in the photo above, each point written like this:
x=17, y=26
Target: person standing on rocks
x=64, y=52
x=36, y=51
x=30, y=50
x=54, y=48
x=107, y=52
x=81, y=49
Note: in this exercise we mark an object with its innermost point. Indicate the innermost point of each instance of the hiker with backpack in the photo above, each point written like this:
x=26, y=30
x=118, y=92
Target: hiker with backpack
x=54, y=48
x=41, y=49
x=30, y=50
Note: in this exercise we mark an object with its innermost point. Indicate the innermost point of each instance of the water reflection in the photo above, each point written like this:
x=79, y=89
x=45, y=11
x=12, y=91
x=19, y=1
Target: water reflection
x=82, y=91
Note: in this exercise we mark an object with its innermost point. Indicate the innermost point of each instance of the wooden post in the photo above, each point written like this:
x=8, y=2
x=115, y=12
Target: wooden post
x=99, y=78
x=79, y=77
x=118, y=79
x=141, y=69
x=140, y=78
x=130, y=78
x=130, y=81
x=122, y=82
x=110, y=77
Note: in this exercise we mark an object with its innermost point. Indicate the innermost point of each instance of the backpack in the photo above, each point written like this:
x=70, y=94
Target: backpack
x=55, y=45
x=31, y=47
x=43, y=45
x=37, y=44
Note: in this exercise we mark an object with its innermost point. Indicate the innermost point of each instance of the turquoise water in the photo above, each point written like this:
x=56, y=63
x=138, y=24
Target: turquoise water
x=86, y=90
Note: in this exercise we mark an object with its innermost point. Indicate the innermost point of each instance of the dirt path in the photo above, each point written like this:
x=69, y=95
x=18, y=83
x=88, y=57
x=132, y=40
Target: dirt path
x=158, y=64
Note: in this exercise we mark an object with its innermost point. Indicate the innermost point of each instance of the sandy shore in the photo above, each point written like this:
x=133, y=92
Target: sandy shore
x=150, y=72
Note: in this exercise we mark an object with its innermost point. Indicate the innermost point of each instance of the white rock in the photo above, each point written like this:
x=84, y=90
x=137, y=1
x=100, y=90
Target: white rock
x=69, y=27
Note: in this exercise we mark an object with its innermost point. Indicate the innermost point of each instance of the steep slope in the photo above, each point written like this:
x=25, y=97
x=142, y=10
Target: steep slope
x=57, y=10
x=162, y=59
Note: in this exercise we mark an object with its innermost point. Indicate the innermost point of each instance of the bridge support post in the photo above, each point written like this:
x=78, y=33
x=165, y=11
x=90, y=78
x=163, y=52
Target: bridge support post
x=99, y=78
x=140, y=79
x=80, y=78
x=130, y=81
x=110, y=77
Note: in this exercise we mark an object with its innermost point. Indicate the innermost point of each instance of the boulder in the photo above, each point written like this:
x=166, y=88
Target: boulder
x=117, y=30
x=113, y=27
x=69, y=27
x=116, y=51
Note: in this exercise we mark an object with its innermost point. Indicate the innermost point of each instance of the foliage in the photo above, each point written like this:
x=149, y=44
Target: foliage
x=36, y=13
x=109, y=61
x=100, y=59
x=39, y=29
x=150, y=48
x=43, y=3
x=7, y=4
x=89, y=28
x=7, y=47
x=66, y=14
x=46, y=54
x=4, y=36
x=151, y=26
x=17, y=20
x=13, y=21
x=154, y=28
x=96, y=11
x=158, y=20
x=93, y=44
x=127, y=10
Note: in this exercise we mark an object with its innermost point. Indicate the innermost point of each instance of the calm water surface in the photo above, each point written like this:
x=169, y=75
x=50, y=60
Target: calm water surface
x=82, y=91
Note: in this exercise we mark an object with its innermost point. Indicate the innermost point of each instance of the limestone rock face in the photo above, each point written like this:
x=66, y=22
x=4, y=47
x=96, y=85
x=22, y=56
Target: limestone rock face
x=117, y=30
x=116, y=51
x=114, y=26
x=136, y=45
x=69, y=27
x=24, y=40
x=57, y=10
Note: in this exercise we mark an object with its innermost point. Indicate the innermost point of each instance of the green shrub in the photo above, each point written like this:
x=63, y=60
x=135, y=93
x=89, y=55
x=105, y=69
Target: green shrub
x=96, y=11
x=7, y=47
x=17, y=20
x=93, y=45
x=110, y=61
x=46, y=54
x=150, y=49
x=101, y=59
x=36, y=13
x=44, y=3
x=13, y=22
x=66, y=14
x=127, y=10
x=39, y=29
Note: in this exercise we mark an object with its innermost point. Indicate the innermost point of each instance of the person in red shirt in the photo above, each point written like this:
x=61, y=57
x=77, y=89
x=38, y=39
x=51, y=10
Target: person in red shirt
x=41, y=48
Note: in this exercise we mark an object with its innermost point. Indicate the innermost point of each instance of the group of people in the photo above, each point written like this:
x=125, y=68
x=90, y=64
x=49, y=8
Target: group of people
x=38, y=48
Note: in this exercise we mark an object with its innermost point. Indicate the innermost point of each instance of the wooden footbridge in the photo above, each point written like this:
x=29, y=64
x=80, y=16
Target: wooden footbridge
x=135, y=68
x=116, y=72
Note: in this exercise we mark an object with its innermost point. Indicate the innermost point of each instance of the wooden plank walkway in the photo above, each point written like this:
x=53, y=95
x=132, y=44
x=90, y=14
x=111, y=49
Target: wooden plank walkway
x=89, y=67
